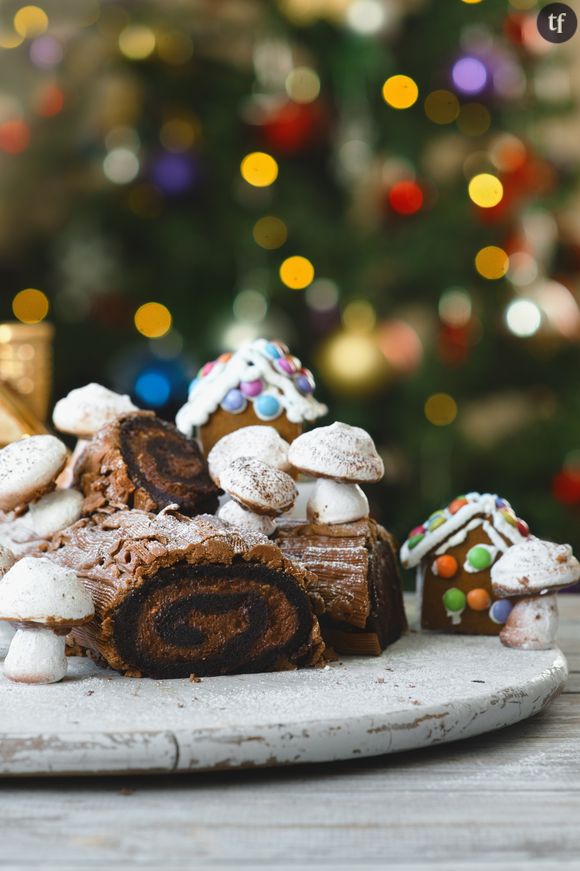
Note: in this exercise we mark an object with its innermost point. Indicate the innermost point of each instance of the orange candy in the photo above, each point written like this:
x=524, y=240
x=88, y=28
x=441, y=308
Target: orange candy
x=445, y=566
x=478, y=600
x=454, y=506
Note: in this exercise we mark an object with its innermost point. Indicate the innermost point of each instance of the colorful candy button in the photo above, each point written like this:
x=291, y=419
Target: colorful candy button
x=501, y=503
x=272, y=350
x=436, y=520
x=194, y=384
x=454, y=600
x=252, y=388
x=500, y=610
x=223, y=358
x=457, y=504
x=284, y=364
x=479, y=557
x=414, y=540
x=509, y=516
x=523, y=527
x=479, y=599
x=267, y=407
x=234, y=401
x=445, y=566
x=303, y=384
x=207, y=367
x=418, y=530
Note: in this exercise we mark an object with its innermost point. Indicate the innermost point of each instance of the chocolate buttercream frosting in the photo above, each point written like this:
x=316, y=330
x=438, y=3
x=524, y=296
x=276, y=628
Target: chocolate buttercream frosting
x=176, y=596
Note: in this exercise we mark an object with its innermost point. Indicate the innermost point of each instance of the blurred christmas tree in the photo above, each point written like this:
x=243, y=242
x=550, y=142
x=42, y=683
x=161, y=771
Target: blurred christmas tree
x=384, y=184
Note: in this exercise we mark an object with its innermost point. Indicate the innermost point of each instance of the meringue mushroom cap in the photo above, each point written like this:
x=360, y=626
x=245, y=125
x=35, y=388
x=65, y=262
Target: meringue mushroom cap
x=54, y=512
x=28, y=468
x=534, y=566
x=258, y=487
x=85, y=410
x=333, y=502
x=339, y=451
x=36, y=590
x=233, y=513
x=262, y=442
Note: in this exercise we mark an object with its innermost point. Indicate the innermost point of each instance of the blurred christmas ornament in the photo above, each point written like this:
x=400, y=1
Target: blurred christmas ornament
x=566, y=487
x=26, y=364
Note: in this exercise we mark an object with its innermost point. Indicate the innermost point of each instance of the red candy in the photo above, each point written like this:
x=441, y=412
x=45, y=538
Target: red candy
x=206, y=369
x=454, y=506
x=523, y=527
x=419, y=530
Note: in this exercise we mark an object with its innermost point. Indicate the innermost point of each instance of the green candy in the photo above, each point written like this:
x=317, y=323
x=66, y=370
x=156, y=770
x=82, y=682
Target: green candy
x=454, y=600
x=413, y=542
x=479, y=557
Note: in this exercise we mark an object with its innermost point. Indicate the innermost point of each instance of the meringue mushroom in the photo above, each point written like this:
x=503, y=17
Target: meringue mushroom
x=260, y=492
x=262, y=442
x=85, y=410
x=341, y=457
x=44, y=601
x=532, y=572
x=29, y=468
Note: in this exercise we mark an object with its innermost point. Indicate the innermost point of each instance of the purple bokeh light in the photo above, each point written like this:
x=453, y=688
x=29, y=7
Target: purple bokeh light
x=174, y=173
x=469, y=75
x=46, y=52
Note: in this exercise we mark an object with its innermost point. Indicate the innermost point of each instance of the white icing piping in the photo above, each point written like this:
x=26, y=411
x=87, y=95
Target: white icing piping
x=454, y=616
x=459, y=536
x=246, y=364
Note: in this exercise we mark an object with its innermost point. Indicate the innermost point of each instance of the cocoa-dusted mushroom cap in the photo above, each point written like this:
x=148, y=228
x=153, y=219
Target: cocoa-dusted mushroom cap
x=28, y=468
x=534, y=566
x=339, y=451
x=261, y=442
x=258, y=487
x=87, y=409
x=36, y=590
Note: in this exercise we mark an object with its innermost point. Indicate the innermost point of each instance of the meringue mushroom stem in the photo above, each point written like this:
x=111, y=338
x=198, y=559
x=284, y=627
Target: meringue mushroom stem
x=36, y=655
x=532, y=623
x=336, y=502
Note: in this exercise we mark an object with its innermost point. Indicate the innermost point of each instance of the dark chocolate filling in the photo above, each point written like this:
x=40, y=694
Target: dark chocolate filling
x=167, y=465
x=248, y=615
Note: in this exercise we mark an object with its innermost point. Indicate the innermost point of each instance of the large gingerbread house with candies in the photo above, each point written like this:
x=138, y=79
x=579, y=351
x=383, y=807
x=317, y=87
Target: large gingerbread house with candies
x=261, y=383
x=453, y=552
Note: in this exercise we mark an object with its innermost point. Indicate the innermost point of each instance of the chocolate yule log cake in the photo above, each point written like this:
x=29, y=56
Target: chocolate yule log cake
x=140, y=461
x=177, y=596
x=355, y=573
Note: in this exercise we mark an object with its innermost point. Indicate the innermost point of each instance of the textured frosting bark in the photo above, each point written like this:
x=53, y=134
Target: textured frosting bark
x=176, y=596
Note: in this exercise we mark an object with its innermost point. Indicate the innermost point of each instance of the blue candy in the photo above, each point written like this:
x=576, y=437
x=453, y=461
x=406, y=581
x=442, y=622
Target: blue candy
x=272, y=351
x=267, y=407
x=234, y=402
x=500, y=610
x=303, y=384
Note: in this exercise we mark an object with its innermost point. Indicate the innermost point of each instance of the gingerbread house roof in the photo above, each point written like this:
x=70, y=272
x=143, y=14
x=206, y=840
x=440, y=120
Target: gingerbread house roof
x=450, y=526
x=261, y=372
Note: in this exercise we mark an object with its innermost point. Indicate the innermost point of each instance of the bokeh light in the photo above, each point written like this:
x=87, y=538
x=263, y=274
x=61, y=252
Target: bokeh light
x=322, y=295
x=359, y=316
x=492, y=262
x=352, y=363
x=405, y=197
x=121, y=165
x=469, y=75
x=10, y=39
x=259, y=169
x=474, y=119
x=30, y=306
x=400, y=92
x=250, y=306
x=30, y=21
x=302, y=85
x=442, y=107
x=270, y=232
x=174, y=173
x=455, y=307
x=485, y=190
x=507, y=153
x=366, y=16
x=137, y=42
x=49, y=101
x=14, y=136
x=153, y=320
x=400, y=345
x=523, y=268
x=178, y=134
x=174, y=47
x=523, y=317
x=440, y=409
x=296, y=272
x=46, y=52
x=153, y=388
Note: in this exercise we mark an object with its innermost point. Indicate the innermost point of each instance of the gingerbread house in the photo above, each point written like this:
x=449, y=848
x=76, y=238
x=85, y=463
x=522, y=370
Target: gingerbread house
x=261, y=383
x=453, y=552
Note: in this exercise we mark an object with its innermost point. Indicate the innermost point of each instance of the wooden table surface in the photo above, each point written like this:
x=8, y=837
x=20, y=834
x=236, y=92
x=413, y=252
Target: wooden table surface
x=509, y=800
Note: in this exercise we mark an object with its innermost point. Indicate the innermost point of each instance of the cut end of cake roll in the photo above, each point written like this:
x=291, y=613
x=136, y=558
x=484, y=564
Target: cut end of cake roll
x=140, y=461
x=177, y=596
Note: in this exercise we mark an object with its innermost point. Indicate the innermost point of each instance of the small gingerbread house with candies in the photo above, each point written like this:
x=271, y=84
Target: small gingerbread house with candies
x=261, y=383
x=453, y=552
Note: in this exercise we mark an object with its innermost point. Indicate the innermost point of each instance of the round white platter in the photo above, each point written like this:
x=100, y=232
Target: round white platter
x=424, y=690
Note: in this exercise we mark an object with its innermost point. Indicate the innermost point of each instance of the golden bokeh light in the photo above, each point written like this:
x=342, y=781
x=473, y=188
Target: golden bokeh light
x=353, y=363
x=474, y=119
x=174, y=47
x=303, y=85
x=400, y=92
x=10, y=39
x=137, y=42
x=153, y=320
x=442, y=107
x=30, y=306
x=359, y=316
x=30, y=21
x=178, y=134
x=259, y=169
x=492, y=262
x=296, y=272
x=440, y=409
x=485, y=190
x=269, y=232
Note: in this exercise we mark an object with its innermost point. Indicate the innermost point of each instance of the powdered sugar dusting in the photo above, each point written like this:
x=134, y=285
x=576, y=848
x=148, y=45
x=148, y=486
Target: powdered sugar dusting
x=339, y=451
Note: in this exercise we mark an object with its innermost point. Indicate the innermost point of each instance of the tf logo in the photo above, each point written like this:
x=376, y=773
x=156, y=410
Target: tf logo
x=557, y=22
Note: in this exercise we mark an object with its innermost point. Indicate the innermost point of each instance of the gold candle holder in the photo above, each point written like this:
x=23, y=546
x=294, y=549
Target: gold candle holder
x=26, y=363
